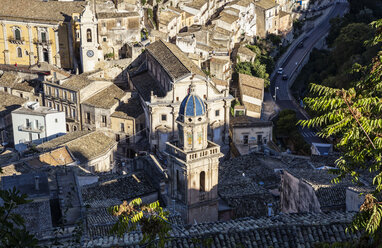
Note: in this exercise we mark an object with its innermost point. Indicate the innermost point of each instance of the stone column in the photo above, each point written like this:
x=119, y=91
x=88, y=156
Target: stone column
x=31, y=53
x=6, y=51
x=56, y=41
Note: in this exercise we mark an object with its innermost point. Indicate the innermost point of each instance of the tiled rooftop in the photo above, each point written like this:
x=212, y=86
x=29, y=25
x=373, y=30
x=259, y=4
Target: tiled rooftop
x=79, y=143
x=173, y=60
x=106, y=98
x=144, y=84
x=9, y=103
x=289, y=231
x=39, y=11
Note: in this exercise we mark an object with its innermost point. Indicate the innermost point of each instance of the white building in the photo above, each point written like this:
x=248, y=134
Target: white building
x=35, y=124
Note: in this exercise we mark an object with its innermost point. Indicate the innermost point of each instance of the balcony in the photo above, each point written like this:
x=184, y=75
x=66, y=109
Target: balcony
x=42, y=42
x=20, y=41
x=30, y=128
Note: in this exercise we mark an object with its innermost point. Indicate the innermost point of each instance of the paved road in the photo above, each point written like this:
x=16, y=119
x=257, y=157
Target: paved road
x=283, y=98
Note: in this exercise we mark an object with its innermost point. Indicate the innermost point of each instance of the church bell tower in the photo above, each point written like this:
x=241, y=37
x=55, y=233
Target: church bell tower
x=89, y=52
x=193, y=164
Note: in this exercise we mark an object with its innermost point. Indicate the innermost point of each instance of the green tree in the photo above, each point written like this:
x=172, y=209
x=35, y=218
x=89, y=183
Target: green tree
x=13, y=233
x=255, y=69
x=353, y=118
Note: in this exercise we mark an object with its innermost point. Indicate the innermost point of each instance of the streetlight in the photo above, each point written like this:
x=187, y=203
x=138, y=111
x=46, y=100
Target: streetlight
x=276, y=88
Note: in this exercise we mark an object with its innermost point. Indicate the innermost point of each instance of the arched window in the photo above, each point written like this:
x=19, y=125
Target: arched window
x=17, y=34
x=89, y=35
x=202, y=181
x=19, y=52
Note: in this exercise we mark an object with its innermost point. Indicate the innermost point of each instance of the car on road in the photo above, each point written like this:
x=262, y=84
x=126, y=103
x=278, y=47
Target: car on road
x=285, y=77
x=280, y=71
x=301, y=44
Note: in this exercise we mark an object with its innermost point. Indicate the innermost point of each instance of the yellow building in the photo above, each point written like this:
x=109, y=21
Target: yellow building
x=33, y=31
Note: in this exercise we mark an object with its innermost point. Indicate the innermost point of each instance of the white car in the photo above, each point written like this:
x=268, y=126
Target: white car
x=280, y=71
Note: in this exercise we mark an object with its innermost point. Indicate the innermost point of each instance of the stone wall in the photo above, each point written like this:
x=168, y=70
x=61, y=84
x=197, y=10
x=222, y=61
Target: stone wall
x=297, y=196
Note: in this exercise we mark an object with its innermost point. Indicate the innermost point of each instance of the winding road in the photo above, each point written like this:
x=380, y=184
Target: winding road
x=291, y=64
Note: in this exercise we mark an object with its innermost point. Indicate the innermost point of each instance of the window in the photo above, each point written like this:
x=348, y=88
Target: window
x=122, y=127
x=202, y=181
x=45, y=55
x=74, y=97
x=58, y=107
x=28, y=124
x=43, y=37
x=50, y=104
x=73, y=113
x=65, y=95
x=49, y=90
x=103, y=120
x=66, y=111
x=245, y=139
x=89, y=35
x=5, y=89
x=217, y=112
x=36, y=123
x=56, y=120
x=104, y=39
x=17, y=34
x=19, y=52
x=57, y=92
x=164, y=117
x=177, y=99
x=87, y=117
x=117, y=137
x=118, y=23
x=21, y=95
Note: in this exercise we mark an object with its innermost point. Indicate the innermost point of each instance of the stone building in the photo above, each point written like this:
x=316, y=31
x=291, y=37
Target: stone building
x=101, y=156
x=251, y=94
x=34, y=31
x=115, y=30
x=249, y=134
x=193, y=163
x=128, y=125
x=267, y=17
x=161, y=75
x=35, y=124
x=97, y=109
x=11, y=83
x=68, y=94
x=8, y=103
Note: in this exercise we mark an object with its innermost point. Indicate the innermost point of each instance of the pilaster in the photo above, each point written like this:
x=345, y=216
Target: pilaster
x=31, y=53
x=6, y=50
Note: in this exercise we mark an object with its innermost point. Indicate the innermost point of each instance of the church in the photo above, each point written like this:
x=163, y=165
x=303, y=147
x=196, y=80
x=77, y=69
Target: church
x=193, y=164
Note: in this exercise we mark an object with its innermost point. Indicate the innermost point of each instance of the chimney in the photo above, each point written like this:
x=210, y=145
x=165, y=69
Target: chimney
x=36, y=182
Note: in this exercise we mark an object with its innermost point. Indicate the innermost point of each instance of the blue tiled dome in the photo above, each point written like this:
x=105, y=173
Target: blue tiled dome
x=192, y=105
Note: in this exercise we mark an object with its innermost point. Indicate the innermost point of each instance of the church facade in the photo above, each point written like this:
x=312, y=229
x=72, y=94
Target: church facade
x=41, y=32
